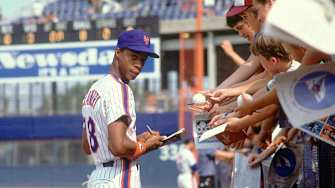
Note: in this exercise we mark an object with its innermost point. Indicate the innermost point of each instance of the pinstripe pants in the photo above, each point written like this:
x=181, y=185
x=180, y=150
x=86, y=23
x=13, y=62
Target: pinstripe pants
x=186, y=180
x=123, y=174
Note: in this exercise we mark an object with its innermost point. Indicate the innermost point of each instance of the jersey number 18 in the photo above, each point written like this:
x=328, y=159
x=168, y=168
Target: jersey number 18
x=90, y=125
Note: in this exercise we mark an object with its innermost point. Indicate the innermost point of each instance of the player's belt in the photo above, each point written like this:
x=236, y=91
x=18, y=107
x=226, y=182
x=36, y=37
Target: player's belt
x=108, y=164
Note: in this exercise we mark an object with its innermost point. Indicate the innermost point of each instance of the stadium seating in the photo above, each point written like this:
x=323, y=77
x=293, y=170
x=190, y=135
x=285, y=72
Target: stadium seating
x=66, y=10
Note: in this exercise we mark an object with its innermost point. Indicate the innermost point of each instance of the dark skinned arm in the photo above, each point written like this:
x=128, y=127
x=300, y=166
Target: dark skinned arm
x=119, y=143
x=84, y=143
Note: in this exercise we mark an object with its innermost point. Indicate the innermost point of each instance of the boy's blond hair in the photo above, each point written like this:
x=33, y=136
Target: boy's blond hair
x=269, y=47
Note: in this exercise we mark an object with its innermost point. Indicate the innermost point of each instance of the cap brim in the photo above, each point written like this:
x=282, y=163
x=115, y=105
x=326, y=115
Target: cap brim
x=233, y=11
x=148, y=51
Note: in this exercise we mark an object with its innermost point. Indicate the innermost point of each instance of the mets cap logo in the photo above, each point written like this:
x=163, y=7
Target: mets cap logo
x=284, y=162
x=146, y=40
x=316, y=90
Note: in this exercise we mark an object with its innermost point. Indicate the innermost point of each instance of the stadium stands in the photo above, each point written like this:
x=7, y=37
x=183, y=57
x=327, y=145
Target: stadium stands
x=69, y=10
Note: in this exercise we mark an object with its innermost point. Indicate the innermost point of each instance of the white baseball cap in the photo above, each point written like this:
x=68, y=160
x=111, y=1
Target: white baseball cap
x=306, y=23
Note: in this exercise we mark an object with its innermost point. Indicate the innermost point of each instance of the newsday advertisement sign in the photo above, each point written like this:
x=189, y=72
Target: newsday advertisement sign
x=64, y=61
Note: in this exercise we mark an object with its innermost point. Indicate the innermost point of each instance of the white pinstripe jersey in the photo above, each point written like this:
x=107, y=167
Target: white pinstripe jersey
x=107, y=100
x=185, y=160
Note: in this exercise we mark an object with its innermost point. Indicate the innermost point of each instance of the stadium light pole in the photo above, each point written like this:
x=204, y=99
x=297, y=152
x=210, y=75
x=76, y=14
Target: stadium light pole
x=199, y=47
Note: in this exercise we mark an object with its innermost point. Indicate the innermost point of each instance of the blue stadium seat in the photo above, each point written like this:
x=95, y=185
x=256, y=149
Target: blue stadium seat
x=165, y=9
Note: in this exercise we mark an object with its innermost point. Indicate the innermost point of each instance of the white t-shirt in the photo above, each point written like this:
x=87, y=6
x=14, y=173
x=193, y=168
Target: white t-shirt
x=185, y=160
x=294, y=66
x=107, y=100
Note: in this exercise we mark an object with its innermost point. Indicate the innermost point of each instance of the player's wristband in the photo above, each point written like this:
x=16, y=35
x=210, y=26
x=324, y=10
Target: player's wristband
x=141, y=148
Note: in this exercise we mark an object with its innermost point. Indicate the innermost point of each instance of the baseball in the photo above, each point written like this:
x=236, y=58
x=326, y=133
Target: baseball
x=244, y=98
x=199, y=98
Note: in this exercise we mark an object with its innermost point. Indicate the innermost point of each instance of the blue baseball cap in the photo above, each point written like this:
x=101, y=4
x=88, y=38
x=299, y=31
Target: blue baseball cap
x=136, y=40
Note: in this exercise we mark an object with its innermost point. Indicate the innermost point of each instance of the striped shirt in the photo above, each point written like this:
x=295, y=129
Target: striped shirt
x=107, y=100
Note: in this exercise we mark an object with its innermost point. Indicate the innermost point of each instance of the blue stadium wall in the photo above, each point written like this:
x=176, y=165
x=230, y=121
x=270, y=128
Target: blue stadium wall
x=70, y=126
x=155, y=171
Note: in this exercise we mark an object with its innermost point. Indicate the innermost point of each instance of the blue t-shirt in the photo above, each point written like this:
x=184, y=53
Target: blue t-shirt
x=206, y=162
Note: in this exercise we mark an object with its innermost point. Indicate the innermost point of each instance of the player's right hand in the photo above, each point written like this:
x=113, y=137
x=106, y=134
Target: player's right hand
x=146, y=135
x=154, y=142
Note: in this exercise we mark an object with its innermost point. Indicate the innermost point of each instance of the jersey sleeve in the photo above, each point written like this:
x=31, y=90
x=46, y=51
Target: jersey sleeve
x=191, y=159
x=115, y=106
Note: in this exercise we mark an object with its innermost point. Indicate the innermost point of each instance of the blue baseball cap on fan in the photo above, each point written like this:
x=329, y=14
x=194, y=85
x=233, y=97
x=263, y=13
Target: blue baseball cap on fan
x=136, y=40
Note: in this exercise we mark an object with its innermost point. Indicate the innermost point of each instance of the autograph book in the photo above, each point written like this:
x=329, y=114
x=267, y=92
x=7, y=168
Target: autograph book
x=174, y=136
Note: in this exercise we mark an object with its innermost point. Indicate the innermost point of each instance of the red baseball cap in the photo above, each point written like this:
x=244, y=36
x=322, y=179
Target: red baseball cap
x=238, y=7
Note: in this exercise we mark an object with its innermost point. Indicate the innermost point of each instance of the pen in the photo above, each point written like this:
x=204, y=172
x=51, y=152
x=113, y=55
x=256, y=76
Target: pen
x=149, y=129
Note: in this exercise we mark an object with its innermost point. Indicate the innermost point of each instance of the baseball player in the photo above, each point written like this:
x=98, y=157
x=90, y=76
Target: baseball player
x=187, y=166
x=108, y=109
